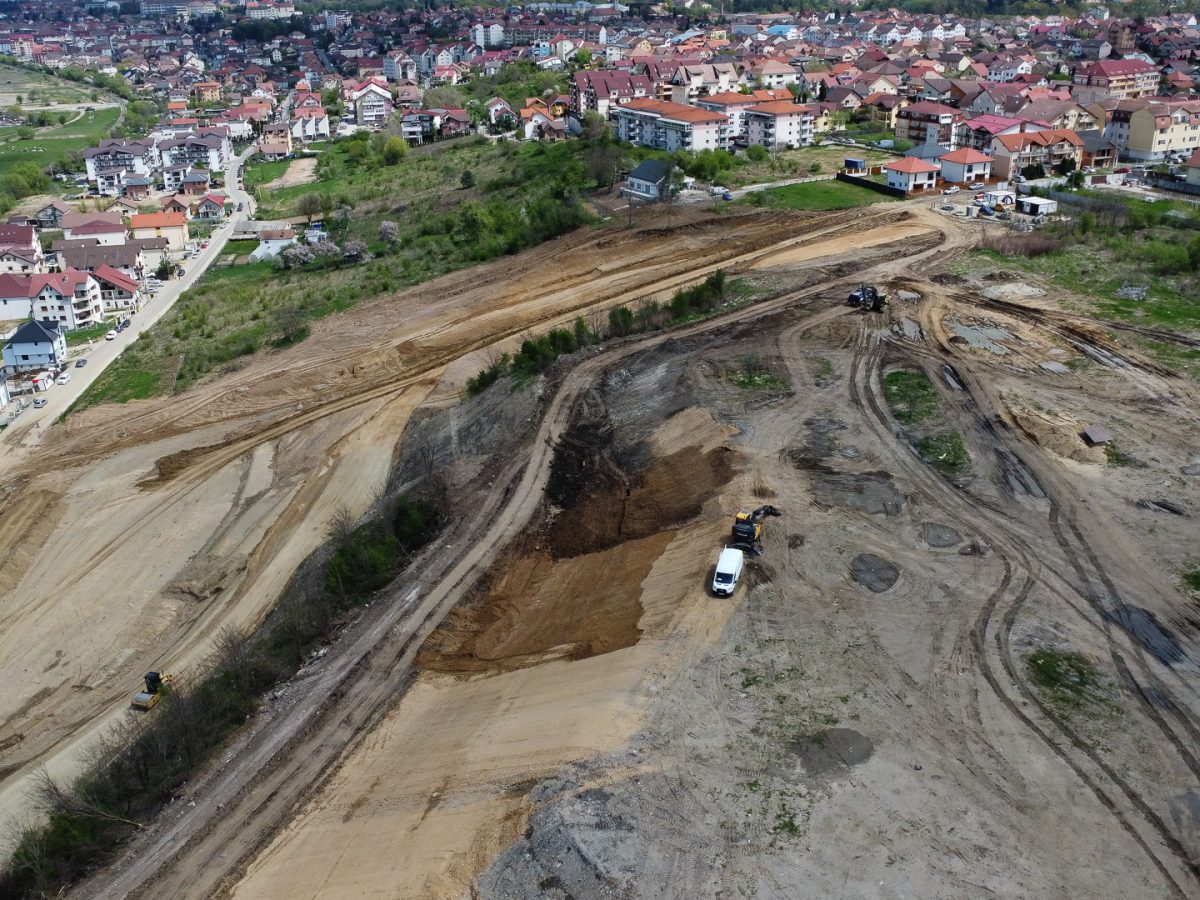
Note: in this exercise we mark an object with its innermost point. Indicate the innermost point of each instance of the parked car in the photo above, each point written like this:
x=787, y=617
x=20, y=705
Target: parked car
x=204, y=245
x=976, y=186
x=717, y=191
x=64, y=377
x=727, y=196
x=39, y=402
x=80, y=363
x=111, y=336
x=953, y=189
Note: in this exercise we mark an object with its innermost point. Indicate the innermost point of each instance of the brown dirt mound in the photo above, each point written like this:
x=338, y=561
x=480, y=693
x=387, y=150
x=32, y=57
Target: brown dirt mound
x=539, y=609
x=620, y=509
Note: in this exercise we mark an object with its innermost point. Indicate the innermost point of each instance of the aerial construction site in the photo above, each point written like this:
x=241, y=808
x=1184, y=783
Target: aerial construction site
x=956, y=659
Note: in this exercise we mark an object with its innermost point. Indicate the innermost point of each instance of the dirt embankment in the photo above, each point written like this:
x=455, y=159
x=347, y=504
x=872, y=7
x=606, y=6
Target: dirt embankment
x=571, y=590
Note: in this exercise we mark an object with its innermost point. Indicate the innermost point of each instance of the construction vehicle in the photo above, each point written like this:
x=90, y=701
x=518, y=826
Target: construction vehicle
x=146, y=700
x=868, y=297
x=748, y=529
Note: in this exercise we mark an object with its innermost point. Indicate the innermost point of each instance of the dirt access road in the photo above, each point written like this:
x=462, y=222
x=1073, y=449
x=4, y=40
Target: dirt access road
x=133, y=538
x=862, y=718
x=264, y=801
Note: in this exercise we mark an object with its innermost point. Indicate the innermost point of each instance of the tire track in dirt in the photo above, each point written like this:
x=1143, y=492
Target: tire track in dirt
x=1012, y=549
x=1018, y=545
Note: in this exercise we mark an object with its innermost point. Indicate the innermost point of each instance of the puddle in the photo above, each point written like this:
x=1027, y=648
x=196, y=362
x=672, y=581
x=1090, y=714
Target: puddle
x=869, y=492
x=874, y=573
x=982, y=337
x=832, y=752
x=912, y=331
x=940, y=536
x=1154, y=637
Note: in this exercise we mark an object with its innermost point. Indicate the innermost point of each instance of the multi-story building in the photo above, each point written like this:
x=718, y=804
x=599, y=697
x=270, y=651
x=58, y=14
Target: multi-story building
x=1048, y=148
x=372, y=101
x=1150, y=130
x=114, y=159
x=929, y=122
x=71, y=298
x=35, y=345
x=20, y=250
x=600, y=91
x=1121, y=78
x=690, y=82
x=399, y=66
x=733, y=106
x=670, y=126
x=779, y=125
x=488, y=34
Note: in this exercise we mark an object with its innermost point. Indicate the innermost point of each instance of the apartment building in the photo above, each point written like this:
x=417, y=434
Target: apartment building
x=733, y=106
x=71, y=298
x=1121, y=78
x=603, y=90
x=928, y=122
x=1049, y=148
x=779, y=125
x=1150, y=130
x=670, y=126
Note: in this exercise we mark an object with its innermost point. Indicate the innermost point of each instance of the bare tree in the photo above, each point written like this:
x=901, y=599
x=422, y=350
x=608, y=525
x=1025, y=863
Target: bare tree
x=50, y=797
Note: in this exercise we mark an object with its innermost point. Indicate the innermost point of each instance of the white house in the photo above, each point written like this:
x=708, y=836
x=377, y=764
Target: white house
x=20, y=249
x=399, y=66
x=71, y=298
x=14, y=298
x=169, y=225
x=372, y=103
x=271, y=243
x=648, y=181
x=34, y=346
x=912, y=174
x=117, y=290
x=310, y=125
x=965, y=165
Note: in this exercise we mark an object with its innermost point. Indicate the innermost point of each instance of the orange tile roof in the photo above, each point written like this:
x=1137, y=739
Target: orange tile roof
x=910, y=165
x=965, y=155
x=157, y=220
x=674, y=111
x=781, y=108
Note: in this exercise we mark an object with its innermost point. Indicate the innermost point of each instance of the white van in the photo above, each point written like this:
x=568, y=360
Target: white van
x=729, y=570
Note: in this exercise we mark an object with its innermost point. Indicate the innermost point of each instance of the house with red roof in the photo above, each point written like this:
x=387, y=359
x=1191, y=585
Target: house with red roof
x=911, y=174
x=117, y=290
x=1048, y=148
x=964, y=165
x=1121, y=78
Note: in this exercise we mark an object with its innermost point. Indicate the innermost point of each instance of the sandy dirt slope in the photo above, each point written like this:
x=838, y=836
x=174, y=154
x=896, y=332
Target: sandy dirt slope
x=861, y=718
x=152, y=528
x=301, y=171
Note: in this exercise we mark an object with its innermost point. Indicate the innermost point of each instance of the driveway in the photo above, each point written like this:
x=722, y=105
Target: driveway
x=28, y=428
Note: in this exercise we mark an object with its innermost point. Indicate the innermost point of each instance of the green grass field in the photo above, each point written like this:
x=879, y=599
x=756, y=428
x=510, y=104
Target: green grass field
x=54, y=144
x=38, y=88
x=816, y=195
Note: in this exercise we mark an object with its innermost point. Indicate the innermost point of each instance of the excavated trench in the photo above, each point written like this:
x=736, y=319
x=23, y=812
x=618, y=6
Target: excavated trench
x=571, y=589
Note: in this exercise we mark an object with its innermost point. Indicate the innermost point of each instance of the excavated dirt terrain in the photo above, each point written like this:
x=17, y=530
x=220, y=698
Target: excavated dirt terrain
x=863, y=717
x=554, y=705
x=130, y=536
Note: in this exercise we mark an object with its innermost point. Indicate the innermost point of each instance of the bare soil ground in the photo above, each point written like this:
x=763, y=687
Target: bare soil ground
x=861, y=718
x=134, y=534
x=300, y=171
x=552, y=704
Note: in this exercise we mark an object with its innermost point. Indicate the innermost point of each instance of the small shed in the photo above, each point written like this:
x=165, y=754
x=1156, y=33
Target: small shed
x=852, y=164
x=1096, y=435
x=1034, y=206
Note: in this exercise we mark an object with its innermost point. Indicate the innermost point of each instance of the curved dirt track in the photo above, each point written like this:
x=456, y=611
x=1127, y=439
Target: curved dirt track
x=282, y=762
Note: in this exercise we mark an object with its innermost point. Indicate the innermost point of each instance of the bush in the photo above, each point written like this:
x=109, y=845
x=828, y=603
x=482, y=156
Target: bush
x=756, y=153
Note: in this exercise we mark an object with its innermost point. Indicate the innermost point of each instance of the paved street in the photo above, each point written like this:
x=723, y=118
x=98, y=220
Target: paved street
x=27, y=429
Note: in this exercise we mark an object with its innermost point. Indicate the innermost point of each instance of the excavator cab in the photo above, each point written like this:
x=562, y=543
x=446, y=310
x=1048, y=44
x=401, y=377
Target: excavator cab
x=748, y=529
x=868, y=297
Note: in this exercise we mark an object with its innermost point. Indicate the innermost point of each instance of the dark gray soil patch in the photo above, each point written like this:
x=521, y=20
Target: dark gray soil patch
x=874, y=573
x=869, y=492
x=941, y=536
x=832, y=752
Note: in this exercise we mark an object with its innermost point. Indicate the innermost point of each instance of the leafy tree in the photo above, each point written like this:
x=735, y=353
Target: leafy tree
x=388, y=232
x=394, y=150
x=163, y=272
x=445, y=96
x=1030, y=173
x=308, y=206
x=467, y=179
x=583, y=57
x=756, y=153
x=294, y=256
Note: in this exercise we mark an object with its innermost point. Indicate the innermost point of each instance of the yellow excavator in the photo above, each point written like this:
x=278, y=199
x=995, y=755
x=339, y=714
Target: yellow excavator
x=146, y=700
x=748, y=529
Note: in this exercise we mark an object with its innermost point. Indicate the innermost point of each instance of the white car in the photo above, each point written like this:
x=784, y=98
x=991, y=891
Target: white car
x=953, y=189
x=64, y=377
x=111, y=336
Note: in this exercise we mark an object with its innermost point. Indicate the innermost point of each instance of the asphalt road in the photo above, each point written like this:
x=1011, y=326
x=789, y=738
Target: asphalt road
x=28, y=428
